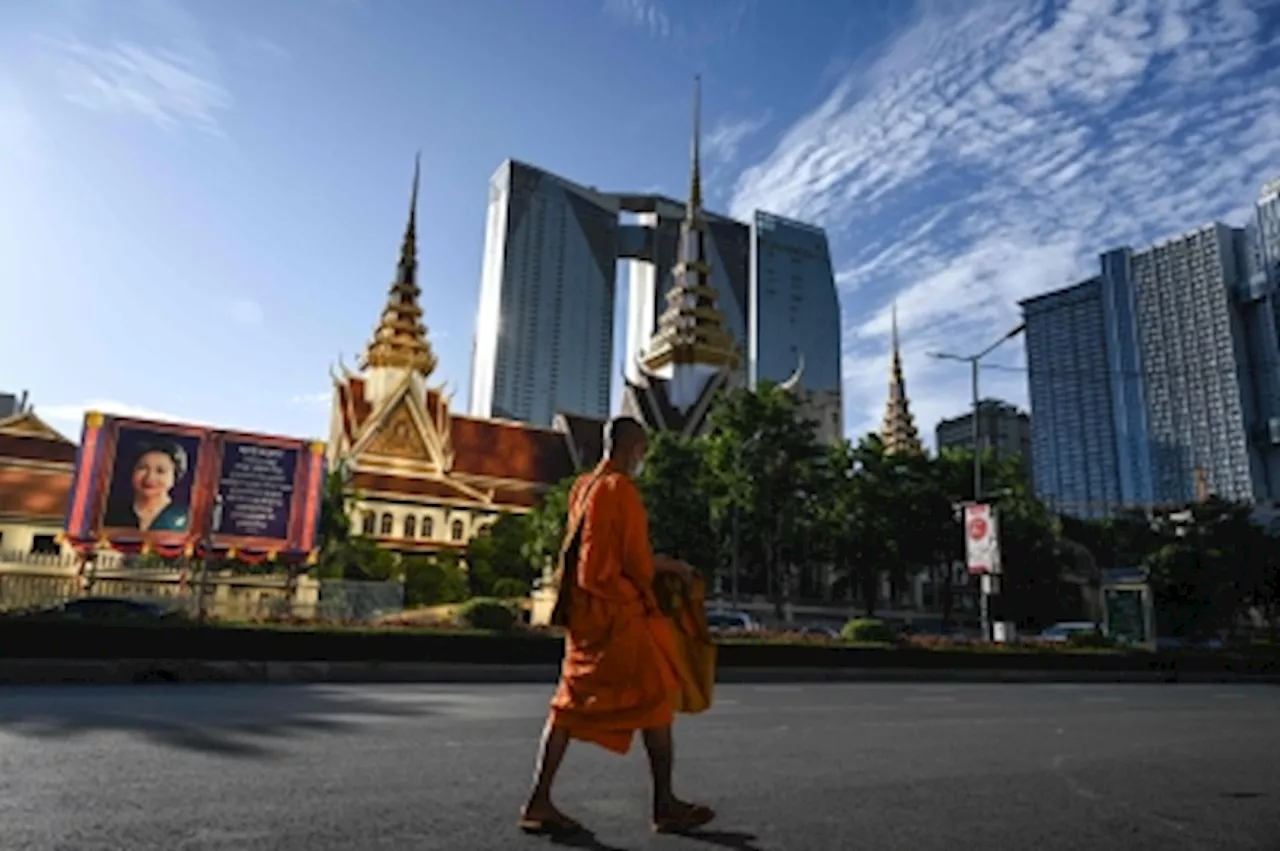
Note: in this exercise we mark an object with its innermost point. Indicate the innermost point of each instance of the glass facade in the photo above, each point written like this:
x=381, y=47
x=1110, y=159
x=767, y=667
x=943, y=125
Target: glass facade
x=795, y=316
x=1161, y=374
x=544, y=330
x=1073, y=436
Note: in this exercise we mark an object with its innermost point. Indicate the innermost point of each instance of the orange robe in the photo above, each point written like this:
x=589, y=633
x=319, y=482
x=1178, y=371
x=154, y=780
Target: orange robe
x=619, y=671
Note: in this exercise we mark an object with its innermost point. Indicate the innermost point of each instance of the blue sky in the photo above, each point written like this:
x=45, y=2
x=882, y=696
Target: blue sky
x=201, y=201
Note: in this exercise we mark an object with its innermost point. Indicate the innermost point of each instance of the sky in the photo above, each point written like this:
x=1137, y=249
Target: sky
x=201, y=201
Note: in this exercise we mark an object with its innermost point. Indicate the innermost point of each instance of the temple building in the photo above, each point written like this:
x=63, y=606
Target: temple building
x=425, y=479
x=36, y=468
x=898, y=431
x=691, y=356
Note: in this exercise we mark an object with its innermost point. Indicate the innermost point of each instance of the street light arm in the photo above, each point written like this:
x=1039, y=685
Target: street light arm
x=998, y=343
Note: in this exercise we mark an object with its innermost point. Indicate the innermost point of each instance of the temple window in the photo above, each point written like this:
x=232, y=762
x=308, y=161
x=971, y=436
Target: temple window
x=366, y=523
x=456, y=530
x=410, y=526
x=428, y=527
x=385, y=526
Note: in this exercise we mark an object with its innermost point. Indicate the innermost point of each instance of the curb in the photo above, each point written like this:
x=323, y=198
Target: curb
x=126, y=671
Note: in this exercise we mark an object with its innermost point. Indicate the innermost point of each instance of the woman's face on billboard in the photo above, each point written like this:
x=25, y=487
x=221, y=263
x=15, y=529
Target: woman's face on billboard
x=153, y=475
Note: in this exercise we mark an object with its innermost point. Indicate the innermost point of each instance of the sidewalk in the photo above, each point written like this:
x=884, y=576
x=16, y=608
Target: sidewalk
x=122, y=671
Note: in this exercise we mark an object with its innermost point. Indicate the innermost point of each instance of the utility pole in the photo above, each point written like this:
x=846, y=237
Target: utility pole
x=990, y=581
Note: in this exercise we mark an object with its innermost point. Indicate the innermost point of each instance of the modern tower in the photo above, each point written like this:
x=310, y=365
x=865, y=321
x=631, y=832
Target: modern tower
x=898, y=431
x=544, y=330
x=794, y=318
x=1155, y=382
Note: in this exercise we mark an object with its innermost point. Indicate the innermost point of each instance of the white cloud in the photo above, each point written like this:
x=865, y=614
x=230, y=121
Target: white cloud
x=71, y=416
x=168, y=86
x=246, y=311
x=722, y=142
x=647, y=15
x=993, y=151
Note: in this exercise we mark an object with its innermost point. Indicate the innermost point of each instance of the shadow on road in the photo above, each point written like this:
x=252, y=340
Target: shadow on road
x=236, y=721
x=732, y=839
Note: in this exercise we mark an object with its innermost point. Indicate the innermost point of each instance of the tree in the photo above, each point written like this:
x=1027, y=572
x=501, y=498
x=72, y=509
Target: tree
x=546, y=527
x=764, y=458
x=431, y=580
x=679, y=491
x=500, y=552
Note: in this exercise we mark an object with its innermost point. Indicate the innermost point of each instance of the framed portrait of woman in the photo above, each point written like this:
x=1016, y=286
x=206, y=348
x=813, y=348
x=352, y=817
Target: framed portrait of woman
x=152, y=483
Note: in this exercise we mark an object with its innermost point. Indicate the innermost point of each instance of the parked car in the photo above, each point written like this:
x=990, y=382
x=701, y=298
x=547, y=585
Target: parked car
x=726, y=620
x=1060, y=633
x=106, y=609
x=816, y=630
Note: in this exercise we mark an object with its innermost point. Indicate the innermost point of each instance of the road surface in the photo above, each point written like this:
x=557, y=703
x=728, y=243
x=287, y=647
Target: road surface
x=790, y=768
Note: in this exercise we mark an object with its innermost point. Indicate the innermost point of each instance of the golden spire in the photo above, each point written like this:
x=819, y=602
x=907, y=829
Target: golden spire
x=692, y=330
x=401, y=339
x=898, y=432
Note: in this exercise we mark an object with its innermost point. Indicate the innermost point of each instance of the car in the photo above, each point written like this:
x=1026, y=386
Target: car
x=108, y=609
x=815, y=630
x=1061, y=633
x=725, y=620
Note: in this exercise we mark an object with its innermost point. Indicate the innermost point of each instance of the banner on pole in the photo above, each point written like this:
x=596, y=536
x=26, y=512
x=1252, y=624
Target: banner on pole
x=982, y=539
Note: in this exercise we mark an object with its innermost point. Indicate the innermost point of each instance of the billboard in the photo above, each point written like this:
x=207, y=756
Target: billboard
x=181, y=489
x=981, y=539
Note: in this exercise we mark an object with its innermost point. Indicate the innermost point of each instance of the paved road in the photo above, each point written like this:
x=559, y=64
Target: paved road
x=822, y=767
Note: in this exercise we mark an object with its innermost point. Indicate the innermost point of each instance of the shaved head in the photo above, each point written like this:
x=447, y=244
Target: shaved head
x=624, y=438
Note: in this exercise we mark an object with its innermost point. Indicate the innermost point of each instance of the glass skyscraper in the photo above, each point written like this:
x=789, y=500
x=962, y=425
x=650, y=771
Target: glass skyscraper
x=1156, y=381
x=794, y=316
x=544, y=330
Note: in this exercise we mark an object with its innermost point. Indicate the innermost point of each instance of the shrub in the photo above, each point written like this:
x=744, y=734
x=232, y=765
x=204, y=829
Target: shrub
x=508, y=588
x=487, y=613
x=1092, y=638
x=867, y=629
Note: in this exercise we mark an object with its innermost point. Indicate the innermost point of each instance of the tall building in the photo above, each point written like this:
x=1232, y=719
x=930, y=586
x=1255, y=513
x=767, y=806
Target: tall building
x=1073, y=434
x=898, y=431
x=794, y=318
x=1156, y=380
x=553, y=246
x=544, y=329
x=1002, y=428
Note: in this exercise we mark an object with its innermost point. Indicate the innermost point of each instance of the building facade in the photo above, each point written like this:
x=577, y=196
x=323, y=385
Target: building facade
x=424, y=479
x=1002, y=429
x=544, y=327
x=794, y=318
x=1156, y=382
x=36, y=468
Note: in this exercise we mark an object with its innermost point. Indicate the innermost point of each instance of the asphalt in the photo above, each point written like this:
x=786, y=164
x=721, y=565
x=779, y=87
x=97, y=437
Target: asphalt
x=813, y=766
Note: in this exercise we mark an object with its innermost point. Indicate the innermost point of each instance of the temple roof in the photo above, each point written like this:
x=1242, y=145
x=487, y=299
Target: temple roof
x=400, y=339
x=898, y=431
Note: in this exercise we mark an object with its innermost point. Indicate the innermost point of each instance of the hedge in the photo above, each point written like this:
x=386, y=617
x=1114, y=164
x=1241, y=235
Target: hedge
x=48, y=640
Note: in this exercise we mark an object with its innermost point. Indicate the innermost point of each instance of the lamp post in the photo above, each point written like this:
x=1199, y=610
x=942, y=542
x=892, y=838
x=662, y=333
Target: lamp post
x=990, y=582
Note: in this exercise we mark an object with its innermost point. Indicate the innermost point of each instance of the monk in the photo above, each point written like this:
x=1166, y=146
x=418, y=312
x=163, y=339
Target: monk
x=618, y=675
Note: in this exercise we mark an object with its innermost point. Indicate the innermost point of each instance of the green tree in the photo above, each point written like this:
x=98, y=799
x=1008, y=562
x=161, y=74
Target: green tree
x=546, y=527
x=435, y=579
x=765, y=461
x=679, y=492
x=501, y=552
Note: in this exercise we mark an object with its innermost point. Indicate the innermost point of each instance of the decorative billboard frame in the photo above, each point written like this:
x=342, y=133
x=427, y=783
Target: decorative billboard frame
x=187, y=463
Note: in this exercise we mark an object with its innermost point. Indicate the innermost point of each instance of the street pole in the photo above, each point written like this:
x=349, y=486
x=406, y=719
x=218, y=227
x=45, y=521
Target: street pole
x=990, y=581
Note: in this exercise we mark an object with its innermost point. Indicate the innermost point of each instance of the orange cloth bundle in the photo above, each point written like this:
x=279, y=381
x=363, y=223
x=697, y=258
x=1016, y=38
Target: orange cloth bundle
x=685, y=606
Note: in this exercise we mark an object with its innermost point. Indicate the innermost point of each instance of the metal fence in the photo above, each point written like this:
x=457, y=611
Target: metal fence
x=346, y=600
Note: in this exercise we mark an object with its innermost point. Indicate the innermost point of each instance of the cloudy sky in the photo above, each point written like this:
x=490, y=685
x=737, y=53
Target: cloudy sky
x=201, y=200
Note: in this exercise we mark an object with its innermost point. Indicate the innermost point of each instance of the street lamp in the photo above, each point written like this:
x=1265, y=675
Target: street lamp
x=989, y=581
